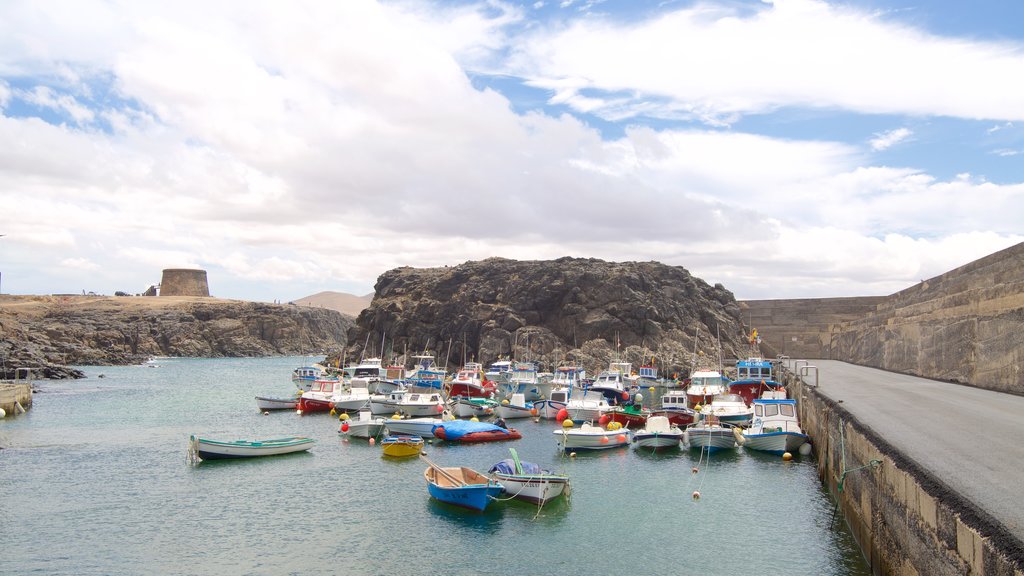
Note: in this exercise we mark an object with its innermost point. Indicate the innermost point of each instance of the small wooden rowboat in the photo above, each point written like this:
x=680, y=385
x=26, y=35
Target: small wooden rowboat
x=460, y=486
x=267, y=403
x=402, y=446
x=207, y=449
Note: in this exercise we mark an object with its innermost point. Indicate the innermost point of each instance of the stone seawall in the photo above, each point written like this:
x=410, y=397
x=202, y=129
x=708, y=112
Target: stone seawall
x=965, y=326
x=906, y=521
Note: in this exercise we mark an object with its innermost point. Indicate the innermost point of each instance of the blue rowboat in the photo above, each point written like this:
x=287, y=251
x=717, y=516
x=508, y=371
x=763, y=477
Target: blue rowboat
x=207, y=449
x=461, y=486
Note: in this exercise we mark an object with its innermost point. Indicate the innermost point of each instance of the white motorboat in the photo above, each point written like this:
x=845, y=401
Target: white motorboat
x=423, y=427
x=705, y=385
x=675, y=406
x=728, y=409
x=590, y=437
x=516, y=407
x=589, y=405
x=528, y=481
x=469, y=407
x=408, y=403
x=363, y=426
x=710, y=437
x=267, y=403
x=658, y=433
x=557, y=400
x=775, y=428
x=356, y=398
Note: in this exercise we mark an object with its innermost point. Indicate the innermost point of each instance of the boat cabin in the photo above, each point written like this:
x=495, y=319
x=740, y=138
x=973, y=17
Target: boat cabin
x=559, y=396
x=754, y=369
x=775, y=416
x=647, y=373
x=674, y=400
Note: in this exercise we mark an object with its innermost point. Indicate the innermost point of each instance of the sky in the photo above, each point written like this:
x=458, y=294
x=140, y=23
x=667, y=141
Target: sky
x=785, y=149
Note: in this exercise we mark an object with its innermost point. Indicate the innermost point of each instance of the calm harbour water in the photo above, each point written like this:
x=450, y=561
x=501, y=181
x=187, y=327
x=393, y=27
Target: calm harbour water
x=94, y=480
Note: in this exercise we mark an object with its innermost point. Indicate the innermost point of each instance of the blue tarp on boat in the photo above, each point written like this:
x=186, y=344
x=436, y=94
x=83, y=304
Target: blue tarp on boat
x=456, y=429
x=508, y=466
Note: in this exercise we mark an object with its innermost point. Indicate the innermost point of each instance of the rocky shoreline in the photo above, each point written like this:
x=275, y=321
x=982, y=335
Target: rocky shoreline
x=49, y=334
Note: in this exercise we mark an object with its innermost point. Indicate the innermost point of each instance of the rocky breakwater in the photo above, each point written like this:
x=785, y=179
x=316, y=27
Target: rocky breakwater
x=49, y=333
x=571, y=309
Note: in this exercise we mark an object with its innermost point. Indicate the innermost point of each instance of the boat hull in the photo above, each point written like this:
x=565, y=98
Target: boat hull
x=774, y=442
x=415, y=426
x=207, y=449
x=265, y=403
x=548, y=409
x=306, y=405
x=508, y=411
x=467, y=409
x=655, y=441
x=711, y=438
x=682, y=417
x=366, y=429
x=472, y=496
x=402, y=446
x=577, y=439
x=534, y=488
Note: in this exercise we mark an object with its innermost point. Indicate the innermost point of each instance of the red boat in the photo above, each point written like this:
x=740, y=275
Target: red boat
x=634, y=417
x=470, y=382
x=751, y=390
x=679, y=417
x=319, y=397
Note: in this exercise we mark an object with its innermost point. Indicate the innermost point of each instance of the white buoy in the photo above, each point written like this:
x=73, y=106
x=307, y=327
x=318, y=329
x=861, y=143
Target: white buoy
x=805, y=449
x=3, y=413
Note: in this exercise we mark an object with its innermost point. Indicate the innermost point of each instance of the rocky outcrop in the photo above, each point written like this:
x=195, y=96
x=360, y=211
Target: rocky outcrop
x=49, y=333
x=584, y=310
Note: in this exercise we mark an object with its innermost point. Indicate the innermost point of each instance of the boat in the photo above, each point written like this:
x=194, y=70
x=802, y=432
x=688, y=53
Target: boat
x=633, y=415
x=658, y=433
x=303, y=376
x=516, y=407
x=557, y=400
x=372, y=376
x=425, y=375
x=728, y=409
x=408, y=403
x=267, y=403
x=775, y=428
x=467, y=431
x=499, y=371
x=320, y=396
x=647, y=377
x=470, y=407
x=674, y=406
x=401, y=446
x=209, y=449
x=460, y=486
x=413, y=426
x=612, y=384
x=754, y=380
x=528, y=481
x=710, y=436
x=363, y=426
x=470, y=382
x=356, y=398
x=525, y=380
x=589, y=405
x=705, y=385
x=590, y=437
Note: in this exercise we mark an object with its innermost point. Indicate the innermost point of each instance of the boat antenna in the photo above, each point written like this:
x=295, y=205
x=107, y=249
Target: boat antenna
x=362, y=353
x=383, y=333
x=447, y=354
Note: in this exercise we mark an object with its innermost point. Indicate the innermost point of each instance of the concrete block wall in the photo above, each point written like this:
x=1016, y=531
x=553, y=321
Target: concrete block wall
x=906, y=521
x=184, y=282
x=805, y=327
x=12, y=393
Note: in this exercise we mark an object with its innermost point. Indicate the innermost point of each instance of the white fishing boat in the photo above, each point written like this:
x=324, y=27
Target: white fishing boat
x=425, y=375
x=590, y=437
x=408, y=403
x=525, y=380
x=320, y=396
x=612, y=383
x=728, y=409
x=499, y=371
x=710, y=437
x=675, y=406
x=775, y=428
x=416, y=426
x=363, y=426
x=470, y=382
x=356, y=398
x=658, y=433
x=208, y=449
x=704, y=386
x=528, y=481
x=584, y=406
x=470, y=407
x=304, y=376
x=375, y=378
x=557, y=401
x=515, y=407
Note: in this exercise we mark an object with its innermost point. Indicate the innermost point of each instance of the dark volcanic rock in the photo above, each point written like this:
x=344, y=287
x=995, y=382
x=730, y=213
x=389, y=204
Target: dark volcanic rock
x=49, y=333
x=550, y=311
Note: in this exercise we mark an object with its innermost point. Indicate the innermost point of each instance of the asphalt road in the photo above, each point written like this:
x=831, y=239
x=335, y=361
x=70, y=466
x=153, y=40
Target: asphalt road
x=970, y=439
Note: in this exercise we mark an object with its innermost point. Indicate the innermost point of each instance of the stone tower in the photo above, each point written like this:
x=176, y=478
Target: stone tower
x=184, y=282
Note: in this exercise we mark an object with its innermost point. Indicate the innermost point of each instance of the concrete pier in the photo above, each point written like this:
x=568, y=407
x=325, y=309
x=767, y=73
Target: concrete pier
x=926, y=473
x=12, y=395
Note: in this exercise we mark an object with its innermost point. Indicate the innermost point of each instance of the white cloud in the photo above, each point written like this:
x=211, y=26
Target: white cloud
x=79, y=264
x=711, y=62
x=886, y=140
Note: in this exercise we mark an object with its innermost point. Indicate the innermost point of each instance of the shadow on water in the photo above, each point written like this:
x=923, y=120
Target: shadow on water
x=488, y=520
x=656, y=454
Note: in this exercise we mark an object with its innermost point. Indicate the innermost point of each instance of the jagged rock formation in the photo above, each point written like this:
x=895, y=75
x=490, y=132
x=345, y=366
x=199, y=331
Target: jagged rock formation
x=51, y=332
x=586, y=310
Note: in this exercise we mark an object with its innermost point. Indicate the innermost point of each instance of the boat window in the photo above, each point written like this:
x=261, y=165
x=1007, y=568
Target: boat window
x=414, y=397
x=771, y=410
x=758, y=409
x=788, y=410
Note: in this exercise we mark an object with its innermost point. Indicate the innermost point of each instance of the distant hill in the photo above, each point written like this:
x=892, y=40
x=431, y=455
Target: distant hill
x=342, y=302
